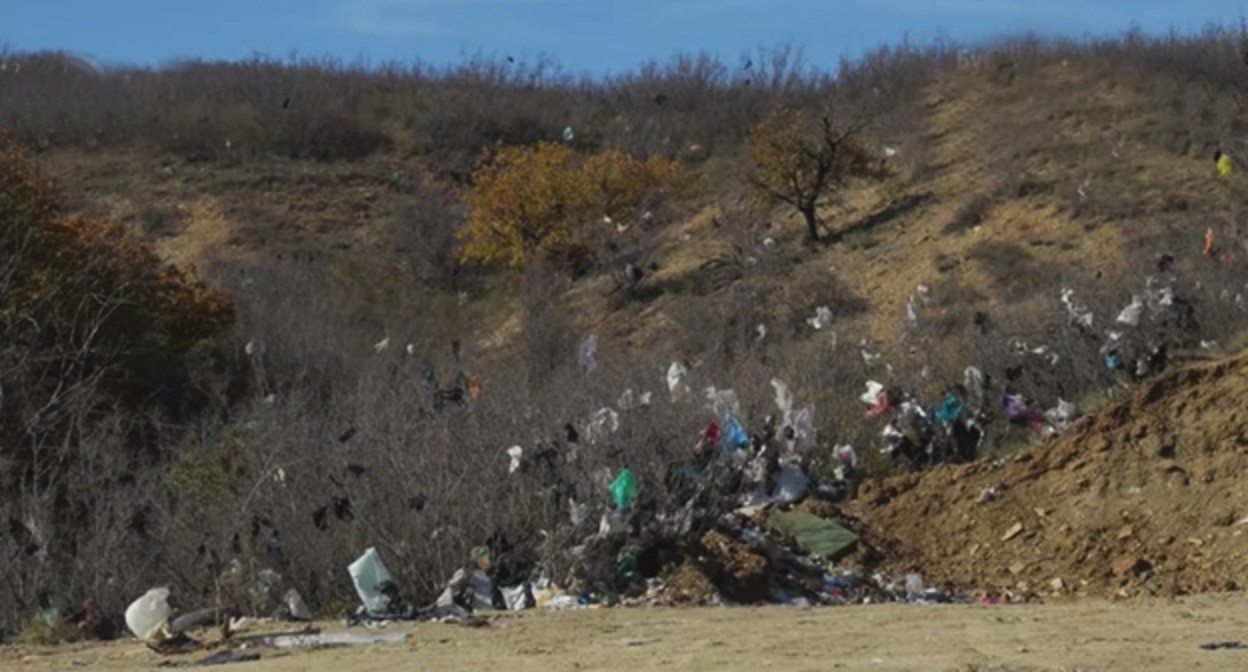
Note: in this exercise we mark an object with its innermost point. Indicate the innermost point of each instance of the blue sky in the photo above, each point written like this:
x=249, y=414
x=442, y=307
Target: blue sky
x=595, y=36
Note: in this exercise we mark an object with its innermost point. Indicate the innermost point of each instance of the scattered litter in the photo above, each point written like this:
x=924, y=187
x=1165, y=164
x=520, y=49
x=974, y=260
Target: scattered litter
x=821, y=537
x=588, y=354
x=515, y=453
x=791, y=483
x=1224, y=644
x=604, y=422
x=370, y=576
x=1130, y=315
x=297, y=608
x=318, y=640
x=148, y=616
x=676, y=383
x=629, y=401
x=822, y=319
x=381, y=346
x=568, y=134
x=624, y=489
x=1223, y=162
x=517, y=598
x=874, y=391
x=1078, y=313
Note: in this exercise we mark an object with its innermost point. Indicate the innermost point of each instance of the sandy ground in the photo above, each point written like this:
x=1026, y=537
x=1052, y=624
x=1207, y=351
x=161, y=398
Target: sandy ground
x=1085, y=635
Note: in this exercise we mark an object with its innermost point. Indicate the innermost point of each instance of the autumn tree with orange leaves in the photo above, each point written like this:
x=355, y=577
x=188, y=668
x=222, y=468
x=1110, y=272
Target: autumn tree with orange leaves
x=93, y=326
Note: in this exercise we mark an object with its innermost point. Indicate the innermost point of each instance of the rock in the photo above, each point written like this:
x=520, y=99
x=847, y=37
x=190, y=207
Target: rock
x=1042, y=512
x=1129, y=566
x=1017, y=567
x=1057, y=584
x=1126, y=532
x=1015, y=530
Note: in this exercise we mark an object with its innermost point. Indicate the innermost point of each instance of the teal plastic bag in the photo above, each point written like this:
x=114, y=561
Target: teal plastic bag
x=950, y=409
x=624, y=489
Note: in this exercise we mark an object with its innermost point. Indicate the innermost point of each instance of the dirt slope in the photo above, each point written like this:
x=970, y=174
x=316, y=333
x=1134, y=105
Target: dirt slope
x=1146, y=497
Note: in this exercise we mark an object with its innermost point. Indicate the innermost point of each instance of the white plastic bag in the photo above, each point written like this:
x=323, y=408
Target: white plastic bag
x=299, y=610
x=1130, y=315
x=515, y=453
x=147, y=616
x=517, y=598
x=822, y=319
x=872, y=396
x=784, y=398
x=368, y=572
x=676, y=383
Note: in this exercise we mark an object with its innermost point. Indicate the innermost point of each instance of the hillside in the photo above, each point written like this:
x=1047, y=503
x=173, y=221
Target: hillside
x=370, y=376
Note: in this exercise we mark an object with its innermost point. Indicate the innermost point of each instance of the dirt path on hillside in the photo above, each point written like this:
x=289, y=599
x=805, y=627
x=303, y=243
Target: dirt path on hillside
x=1087, y=635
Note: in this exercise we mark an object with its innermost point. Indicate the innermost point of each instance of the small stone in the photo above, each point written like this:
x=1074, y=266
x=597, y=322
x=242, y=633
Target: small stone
x=1129, y=565
x=1042, y=512
x=1018, y=567
x=1126, y=532
x=1015, y=530
x=1057, y=584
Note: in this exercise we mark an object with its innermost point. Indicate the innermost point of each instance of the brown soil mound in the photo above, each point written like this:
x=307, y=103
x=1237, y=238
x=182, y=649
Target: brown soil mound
x=686, y=585
x=1146, y=497
x=741, y=574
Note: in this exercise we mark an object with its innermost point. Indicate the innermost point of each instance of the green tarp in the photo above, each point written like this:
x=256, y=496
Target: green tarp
x=825, y=538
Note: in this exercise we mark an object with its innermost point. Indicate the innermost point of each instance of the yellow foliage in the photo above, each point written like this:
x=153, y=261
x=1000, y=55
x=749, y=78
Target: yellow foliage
x=540, y=200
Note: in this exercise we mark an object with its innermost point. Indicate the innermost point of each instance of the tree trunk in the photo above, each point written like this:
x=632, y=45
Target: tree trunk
x=812, y=224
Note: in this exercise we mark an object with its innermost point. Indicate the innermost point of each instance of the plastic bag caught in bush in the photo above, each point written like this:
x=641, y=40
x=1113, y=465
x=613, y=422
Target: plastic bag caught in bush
x=624, y=489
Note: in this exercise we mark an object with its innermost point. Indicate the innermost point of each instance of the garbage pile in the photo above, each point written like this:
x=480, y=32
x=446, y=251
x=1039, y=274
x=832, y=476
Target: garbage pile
x=741, y=518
